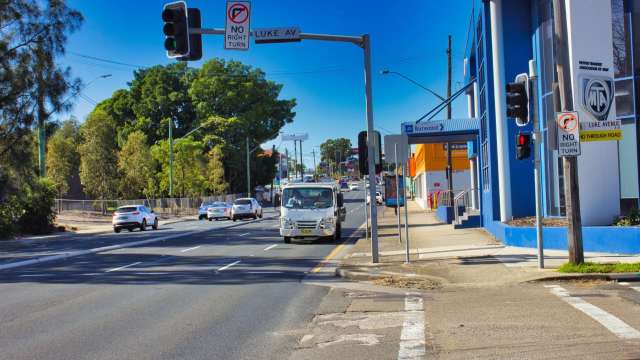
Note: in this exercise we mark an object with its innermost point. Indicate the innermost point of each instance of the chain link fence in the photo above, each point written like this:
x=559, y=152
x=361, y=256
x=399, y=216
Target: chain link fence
x=163, y=206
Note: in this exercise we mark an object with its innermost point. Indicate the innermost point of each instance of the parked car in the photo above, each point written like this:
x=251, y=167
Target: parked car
x=219, y=210
x=344, y=186
x=134, y=216
x=202, y=211
x=246, y=208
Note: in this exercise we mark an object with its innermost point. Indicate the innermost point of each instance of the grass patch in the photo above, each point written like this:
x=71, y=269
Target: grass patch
x=599, y=268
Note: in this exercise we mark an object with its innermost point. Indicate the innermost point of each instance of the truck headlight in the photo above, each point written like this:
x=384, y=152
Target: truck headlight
x=286, y=223
x=327, y=223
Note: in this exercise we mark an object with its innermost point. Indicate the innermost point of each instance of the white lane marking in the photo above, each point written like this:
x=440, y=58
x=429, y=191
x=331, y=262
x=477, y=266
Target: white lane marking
x=245, y=234
x=609, y=321
x=191, y=248
x=33, y=275
x=151, y=273
x=270, y=247
x=124, y=267
x=228, y=265
x=624, y=283
x=636, y=288
x=265, y=272
x=412, y=342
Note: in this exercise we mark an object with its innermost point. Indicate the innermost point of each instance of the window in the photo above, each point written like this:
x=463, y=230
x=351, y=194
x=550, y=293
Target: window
x=621, y=22
x=625, y=106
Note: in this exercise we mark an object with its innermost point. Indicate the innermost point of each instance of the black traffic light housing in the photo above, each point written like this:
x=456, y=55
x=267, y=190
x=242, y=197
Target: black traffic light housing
x=523, y=146
x=518, y=100
x=176, y=29
x=179, y=42
x=363, y=154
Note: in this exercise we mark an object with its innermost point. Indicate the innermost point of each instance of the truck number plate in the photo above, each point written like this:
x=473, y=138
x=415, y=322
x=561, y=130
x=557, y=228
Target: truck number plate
x=306, y=231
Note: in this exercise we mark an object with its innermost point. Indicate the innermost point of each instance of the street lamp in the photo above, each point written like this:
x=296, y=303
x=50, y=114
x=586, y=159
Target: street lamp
x=171, y=150
x=386, y=72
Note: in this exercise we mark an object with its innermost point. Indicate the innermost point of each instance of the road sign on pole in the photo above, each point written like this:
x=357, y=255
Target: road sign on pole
x=236, y=32
x=568, y=133
x=276, y=35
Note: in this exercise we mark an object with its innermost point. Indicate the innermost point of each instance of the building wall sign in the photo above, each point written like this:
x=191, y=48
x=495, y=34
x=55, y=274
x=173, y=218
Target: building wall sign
x=590, y=45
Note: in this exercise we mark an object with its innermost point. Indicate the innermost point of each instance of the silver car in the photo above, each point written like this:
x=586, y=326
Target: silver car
x=246, y=208
x=134, y=216
x=219, y=210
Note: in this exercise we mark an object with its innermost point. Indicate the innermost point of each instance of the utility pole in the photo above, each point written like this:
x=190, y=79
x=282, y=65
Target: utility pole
x=295, y=159
x=569, y=163
x=449, y=78
x=301, y=163
x=170, y=157
x=315, y=167
x=286, y=154
x=248, y=171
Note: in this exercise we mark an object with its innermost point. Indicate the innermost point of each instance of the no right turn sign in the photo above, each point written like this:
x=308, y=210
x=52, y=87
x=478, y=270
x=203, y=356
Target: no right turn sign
x=236, y=31
x=568, y=127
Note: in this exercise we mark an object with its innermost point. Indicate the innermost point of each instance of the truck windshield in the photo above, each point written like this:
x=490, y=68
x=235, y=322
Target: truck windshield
x=307, y=198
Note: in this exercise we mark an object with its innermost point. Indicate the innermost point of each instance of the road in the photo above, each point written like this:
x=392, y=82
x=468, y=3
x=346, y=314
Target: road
x=215, y=294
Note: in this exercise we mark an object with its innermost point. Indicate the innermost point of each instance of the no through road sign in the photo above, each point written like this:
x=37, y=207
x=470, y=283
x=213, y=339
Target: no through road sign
x=236, y=31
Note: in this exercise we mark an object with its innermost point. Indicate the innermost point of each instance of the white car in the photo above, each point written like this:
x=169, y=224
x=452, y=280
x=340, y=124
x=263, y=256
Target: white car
x=134, y=216
x=354, y=187
x=219, y=210
x=246, y=208
x=379, y=199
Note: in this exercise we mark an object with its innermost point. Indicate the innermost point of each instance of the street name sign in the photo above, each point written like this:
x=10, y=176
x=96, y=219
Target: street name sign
x=568, y=127
x=276, y=35
x=237, y=31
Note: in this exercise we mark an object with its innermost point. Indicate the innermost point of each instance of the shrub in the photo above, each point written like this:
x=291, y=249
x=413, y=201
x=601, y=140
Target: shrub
x=633, y=219
x=10, y=211
x=38, y=215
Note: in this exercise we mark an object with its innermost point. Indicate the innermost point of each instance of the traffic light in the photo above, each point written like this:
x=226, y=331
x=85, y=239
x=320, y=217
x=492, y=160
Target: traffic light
x=195, y=40
x=523, y=146
x=176, y=29
x=363, y=154
x=518, y=100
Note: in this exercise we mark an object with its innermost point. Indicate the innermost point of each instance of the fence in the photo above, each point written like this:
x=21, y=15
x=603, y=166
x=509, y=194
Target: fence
x=163, y=206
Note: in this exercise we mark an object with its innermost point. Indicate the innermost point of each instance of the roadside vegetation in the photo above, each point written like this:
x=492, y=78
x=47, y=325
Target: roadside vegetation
x=599, y=268
x=633, y=219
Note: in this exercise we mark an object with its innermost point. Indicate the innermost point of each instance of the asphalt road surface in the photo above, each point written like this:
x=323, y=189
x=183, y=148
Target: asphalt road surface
x=217, y=294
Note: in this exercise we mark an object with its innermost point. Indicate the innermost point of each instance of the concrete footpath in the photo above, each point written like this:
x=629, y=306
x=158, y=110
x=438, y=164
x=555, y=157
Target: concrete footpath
x=441, y=256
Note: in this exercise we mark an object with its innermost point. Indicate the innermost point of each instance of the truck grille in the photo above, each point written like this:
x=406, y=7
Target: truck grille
x=306, y=224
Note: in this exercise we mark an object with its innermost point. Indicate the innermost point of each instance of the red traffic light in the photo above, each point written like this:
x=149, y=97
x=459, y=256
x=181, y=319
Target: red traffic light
x=523, y=139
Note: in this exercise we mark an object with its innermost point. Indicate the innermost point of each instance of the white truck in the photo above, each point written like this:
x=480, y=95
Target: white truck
x=311, y=210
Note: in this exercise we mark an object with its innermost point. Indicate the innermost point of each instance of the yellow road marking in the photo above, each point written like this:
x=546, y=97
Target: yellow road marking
x=333, y=253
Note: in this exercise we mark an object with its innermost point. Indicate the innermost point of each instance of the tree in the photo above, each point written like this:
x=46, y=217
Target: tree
x=215, y=172
x=99, y=156
x=135, y=166
x=188, y=167
x=63, y=158
x=335, y=150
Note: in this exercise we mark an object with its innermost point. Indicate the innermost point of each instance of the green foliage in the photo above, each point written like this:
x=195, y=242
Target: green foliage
x=334, y=150
x=232, y=99
x=135, y=166
x=99, y=156
x=215, y=172
x=633, y=219
x=63, y=158
x=599, y=268
x=37, y=216
x=188, y=167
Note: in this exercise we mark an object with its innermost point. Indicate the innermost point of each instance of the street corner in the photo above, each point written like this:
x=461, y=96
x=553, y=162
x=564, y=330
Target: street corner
x=397, y=276
x=365, y=324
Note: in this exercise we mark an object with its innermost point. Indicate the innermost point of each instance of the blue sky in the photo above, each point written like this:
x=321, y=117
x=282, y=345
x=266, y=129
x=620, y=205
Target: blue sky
x=326, y=78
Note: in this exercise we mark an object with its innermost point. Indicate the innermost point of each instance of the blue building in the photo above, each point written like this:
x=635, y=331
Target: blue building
x=505, y=35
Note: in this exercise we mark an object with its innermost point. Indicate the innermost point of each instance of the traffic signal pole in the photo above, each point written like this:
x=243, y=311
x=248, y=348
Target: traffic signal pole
x=537, y=173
